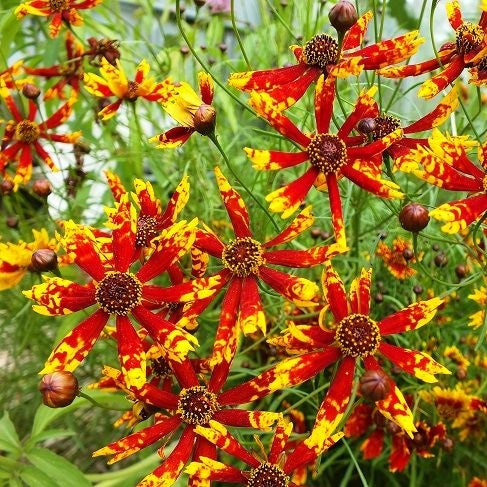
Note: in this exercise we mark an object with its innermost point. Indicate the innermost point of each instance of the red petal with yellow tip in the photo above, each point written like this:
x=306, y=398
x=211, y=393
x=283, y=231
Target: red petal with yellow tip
x=261, y=420
x=400, y=454
x=300, y=224
x=336, y=210
x=269, y=160
x=59, y=116
x=458, y=215
x=360, y=293
x=252, y=317
x=324, y=97
x=334, y=292
x=439, y=82
x=355, y=35
x=454, y=14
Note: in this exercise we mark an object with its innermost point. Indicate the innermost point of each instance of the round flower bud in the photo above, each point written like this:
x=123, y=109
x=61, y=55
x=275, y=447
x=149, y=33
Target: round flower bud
x=408, y=254
x=199, y=3
x=374, y=385
x=184, y=50
x=379, y=297
x=30, y=91
x=448, y=444
x=343, y=15
x=12, y=222
x=43, y=260
x=392, y=427
x=205, y=119
x=417, y=289
x=315, y=233
x=435, y=247
x=367, y=126
x=59, y=389
x=223, y=47
x=461, y=271
x=441, y=260
x=42, y=188
x=414, y=217
x=6, y=187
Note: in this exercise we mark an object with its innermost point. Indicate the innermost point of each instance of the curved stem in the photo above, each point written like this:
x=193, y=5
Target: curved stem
x=237, y=35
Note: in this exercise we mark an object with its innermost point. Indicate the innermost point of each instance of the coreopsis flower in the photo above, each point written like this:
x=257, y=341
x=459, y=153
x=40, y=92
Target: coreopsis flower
x=274, y=469
x=113, y=82
x=7, y=76
x=102, y=48
x=456, y=356
x=398, y=257
x=15, y=258
x=116, y=291
x=322, y=56
x=70, y=72
x=477, y=482
x=355, y=336
x=328, y=156
x=22, y=135
x=194, y=113
x=378, y=125
x=468, y=51
x=365, y=419
x=444, y=163
x=246, y=262
x=58, y=11
x=194, y=404
x=477, y=319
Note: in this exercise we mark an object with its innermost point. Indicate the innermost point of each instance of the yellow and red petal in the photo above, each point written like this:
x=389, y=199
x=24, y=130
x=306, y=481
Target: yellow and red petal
x=336, y=211
x=281, y=437
x=460, y=214
x=199, y=262
x=288, y=373
x=58, y=296
x=439, y=82
x=324, y=97
x=413, y=362
x=359, y=421
x=268, y=160
x=348, y=66
x=364, y=107
x=172, y=138
x=219, y=436
x=413, y=317
x=373, y=446
x=297, y=289
x=355, y=35
x=75, y=346
x=115, y=77
x=334, y=292
x=303, y=258
x=177, y=202
x=209, y=469
x=205, y=82
x=96, y=85
x=286, y=200
x=115, y=184
x=137, y=441
x=252, y=316
x=261, y=420
x=360, y=292
x=299, y=339
x=235, y=206
x=131, y=354
x=400, y=454
x=110, y=110
x=454, y=14
x=59, y=116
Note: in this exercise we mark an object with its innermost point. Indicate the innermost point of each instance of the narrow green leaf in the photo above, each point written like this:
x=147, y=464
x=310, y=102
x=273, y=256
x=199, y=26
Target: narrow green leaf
x=9, y=440
x=33, y=476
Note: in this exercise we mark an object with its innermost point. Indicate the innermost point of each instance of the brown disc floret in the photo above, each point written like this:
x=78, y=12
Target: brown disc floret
x=27, y=132
x=197, y=405
x=327, y=152
x=469, y=37
x=146, y=231
x=321, y=51
x=243, y=256
x=58, y=5
x=118, y=292
x=267, y=475
x=358, y=336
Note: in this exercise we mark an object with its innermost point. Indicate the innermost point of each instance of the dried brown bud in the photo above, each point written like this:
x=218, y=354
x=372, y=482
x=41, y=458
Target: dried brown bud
x=367, y=125
x=43, y=260
x=223, y=47
x=461, y=373
x=441, y=260
x=379, y=297
x=417, y=289
x=184, y=50
x=414, y=217
x=7, y=186
x=12, y=222
x=199, y=3
x=374, y=385
x=42, y=188
x=205, y=119
x=448, y=445
x=315, y=233
x=408, y=254
x=59, y=389
x=325, y=235
x=31, y=91
x=343, y=15
x=461, y=271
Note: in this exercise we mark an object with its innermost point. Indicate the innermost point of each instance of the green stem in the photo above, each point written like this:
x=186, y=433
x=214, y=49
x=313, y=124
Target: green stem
x=237, y=35
x=96, y=403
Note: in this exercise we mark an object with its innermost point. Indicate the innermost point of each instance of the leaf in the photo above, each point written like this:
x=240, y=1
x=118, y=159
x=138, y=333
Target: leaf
x=57, y=468
x=33, y=476
x=45, y=415
x=9, y=440
x=47, y=435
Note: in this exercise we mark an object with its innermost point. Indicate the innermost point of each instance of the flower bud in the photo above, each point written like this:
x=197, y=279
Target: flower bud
x=379, y=297
x=461, y=271
x=59, y=389
x=31, y=91
x=414, y=217
x=43, y=260
x=441, y=260
x=417, y=289
x=12, y=222
x=205, y=119
x=343, y=15
x=367, y=126
x=374, y=385
x=408, y=254
x=42, y=188
x=199, y=3
x=448, y=444
x=315, y=233
x=184, y=50
x=7, y=186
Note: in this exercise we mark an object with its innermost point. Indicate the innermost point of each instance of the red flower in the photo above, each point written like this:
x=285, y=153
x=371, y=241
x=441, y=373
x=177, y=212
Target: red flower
x=22, y=136
x=355, y=336
x=322, y=56
x=118, y=292
x=468, y=51
x=70, y=72
x=59, y=11
x=330, y=156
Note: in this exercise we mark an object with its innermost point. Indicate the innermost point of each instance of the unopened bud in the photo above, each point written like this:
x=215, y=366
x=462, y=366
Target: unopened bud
x=12, y=222
x=205, y=119
x=417, y=289
x=343, y=15
x=441, y=260
x=31, y=91
x=59, y=389
x=461, y=271
x=43, y=260
x=408, y=254
x=374, y=385
x=42, y=188
x=367, y=126
x=7, y=186
x=199, y=3
x=414, y=217
x=448, y=445
x=315, y=233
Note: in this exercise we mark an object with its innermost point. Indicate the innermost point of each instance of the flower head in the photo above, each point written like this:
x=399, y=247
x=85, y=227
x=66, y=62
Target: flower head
x=394, y=258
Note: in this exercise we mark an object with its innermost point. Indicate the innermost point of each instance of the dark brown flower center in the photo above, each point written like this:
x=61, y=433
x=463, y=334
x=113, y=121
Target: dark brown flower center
x=267, y=475
x=327, y=152
x=146, y=231
x=27, y=132
x=358, y=336
x=197, y=405
x=469, y=36
x=482, y=64
x=243, y=256
x=58, y=5
x=118, y=292
x=385, y=125
x=449, y=409
x=321, y=51
x=160, y=368
x=132, y=91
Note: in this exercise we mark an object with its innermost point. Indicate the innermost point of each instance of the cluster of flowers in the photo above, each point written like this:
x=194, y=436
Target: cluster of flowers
x=136, y=267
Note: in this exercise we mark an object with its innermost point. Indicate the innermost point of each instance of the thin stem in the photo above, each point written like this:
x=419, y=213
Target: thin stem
x=97, y=404
x=237, y=35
